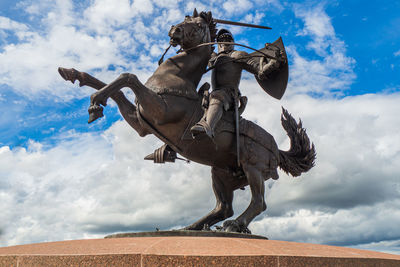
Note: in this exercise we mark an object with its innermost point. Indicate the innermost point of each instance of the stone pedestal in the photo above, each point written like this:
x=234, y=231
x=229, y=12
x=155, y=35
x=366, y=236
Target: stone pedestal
x=189, y=251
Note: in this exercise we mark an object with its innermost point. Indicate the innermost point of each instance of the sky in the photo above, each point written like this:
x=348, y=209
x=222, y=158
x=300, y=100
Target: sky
x=63, y=179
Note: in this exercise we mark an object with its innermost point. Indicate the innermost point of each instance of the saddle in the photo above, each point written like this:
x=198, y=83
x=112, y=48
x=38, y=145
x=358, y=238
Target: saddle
x=226, y=124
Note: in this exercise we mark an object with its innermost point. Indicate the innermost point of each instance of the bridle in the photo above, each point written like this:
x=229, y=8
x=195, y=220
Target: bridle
x=228, y=43
x=187, y=35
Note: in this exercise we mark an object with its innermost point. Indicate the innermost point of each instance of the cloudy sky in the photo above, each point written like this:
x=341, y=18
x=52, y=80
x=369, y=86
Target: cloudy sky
x=61, y=178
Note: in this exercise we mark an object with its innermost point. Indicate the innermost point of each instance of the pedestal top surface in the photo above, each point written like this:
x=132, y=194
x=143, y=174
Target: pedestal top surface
x=190, y=246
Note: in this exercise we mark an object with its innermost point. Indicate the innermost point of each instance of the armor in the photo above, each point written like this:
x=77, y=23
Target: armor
x=227, y=68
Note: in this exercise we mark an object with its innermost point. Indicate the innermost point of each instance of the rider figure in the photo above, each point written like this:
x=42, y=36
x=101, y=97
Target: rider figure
x=227, y=68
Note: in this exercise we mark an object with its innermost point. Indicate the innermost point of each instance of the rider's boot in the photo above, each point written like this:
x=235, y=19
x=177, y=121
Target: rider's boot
x=207, y=124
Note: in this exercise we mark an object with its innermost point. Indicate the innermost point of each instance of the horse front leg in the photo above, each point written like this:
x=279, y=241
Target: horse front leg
x=126, y=108
x=84, y=78
x=147, y=99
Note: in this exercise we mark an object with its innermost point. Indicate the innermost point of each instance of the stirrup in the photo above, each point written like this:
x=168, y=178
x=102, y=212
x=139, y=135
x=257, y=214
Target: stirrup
x=162, y=155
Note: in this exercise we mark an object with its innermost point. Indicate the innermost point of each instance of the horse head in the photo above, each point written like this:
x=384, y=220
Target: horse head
x=194, y=30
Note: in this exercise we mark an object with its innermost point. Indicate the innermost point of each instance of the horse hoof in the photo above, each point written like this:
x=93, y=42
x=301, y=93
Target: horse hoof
x=95, y=112
x=234, y=226
x=231, y=226
x=68, y=74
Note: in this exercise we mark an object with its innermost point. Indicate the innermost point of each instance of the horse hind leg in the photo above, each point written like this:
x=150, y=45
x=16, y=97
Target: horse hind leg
x=257, y=204
x=126, y=108
x=223, y=190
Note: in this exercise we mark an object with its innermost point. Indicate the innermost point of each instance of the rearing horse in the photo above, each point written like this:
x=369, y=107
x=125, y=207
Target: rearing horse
x=167, y=105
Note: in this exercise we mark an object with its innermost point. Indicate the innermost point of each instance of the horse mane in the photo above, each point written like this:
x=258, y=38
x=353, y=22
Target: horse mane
x=207, y=16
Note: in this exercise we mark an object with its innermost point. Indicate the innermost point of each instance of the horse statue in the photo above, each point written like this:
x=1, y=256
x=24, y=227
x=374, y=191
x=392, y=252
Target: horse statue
x=168, y=105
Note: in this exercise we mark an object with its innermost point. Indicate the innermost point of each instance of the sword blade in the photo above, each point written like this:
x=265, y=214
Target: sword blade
x=241, y=24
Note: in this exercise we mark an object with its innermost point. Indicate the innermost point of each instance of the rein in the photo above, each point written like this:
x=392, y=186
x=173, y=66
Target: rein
x=228, y=61
x=161, y=60
x=229, y=43
x=213, y=43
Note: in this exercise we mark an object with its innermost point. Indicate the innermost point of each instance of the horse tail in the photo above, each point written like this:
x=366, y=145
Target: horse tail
x=301, y=155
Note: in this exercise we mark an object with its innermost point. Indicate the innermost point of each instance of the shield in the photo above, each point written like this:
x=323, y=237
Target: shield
x=276, y=82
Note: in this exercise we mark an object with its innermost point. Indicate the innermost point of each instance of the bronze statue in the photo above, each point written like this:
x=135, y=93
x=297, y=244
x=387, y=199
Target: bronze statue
x=168, y=106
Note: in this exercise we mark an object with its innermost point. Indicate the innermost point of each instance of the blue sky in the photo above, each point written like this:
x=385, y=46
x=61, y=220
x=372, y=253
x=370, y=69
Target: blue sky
x=369, y=30
x=344, y=83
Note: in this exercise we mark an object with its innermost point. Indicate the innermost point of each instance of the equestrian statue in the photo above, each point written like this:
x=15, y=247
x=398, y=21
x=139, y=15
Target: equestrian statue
x=208, y=127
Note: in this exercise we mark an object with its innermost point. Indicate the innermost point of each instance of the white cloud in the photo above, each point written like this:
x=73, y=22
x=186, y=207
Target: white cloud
x=93, y=184
x=361, y=225
x=332, y=71
x=396, y=54
x=254, y=18
x=329, y=75
x=352, y=195
x=97, y=35
x=237, y=6
x=103, y=15
x=90, y=185
x=169, y=4
x=316, y=21
x=8, y=24
x=30, y=66
x=143, y=6
x=392, y=246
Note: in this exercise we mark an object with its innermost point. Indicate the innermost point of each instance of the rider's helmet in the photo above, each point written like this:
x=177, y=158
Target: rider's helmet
x=224, y=35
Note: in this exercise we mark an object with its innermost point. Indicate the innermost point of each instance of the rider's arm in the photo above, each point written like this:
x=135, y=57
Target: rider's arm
x=250, y=64
x=256, y=65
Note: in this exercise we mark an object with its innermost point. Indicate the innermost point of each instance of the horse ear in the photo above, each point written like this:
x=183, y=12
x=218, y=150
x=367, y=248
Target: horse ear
x=195, y=13
x=209, y=16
